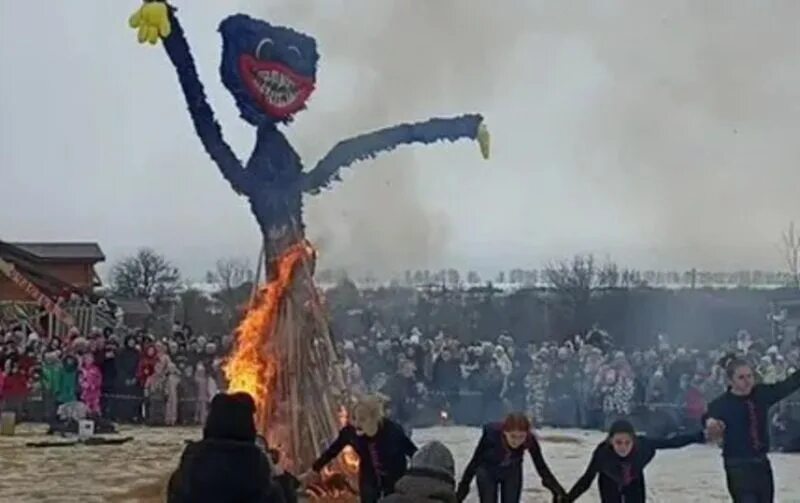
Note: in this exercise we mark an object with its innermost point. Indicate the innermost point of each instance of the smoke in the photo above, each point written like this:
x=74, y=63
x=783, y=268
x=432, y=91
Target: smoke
x=405, y=61
x=663, y=134
x=692, y=129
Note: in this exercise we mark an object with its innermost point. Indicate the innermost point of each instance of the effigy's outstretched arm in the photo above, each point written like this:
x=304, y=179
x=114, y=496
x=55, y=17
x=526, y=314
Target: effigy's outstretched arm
x=369, y=145
x=207, y=127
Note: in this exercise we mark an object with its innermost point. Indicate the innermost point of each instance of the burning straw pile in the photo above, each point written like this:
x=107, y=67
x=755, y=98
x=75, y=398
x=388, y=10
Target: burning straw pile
x=284, y=357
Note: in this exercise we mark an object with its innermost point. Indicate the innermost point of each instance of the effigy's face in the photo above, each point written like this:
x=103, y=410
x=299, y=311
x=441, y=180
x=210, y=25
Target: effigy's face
x=270, y=70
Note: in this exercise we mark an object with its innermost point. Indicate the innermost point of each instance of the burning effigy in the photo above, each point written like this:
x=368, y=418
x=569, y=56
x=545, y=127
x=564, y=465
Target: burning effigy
x=283, y=356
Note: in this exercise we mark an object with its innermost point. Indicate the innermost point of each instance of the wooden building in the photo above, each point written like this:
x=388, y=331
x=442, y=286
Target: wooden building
x=54, y=268
x=48, y=287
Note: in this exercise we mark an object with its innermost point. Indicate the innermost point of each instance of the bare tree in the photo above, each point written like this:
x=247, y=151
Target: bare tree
x=791, y=253
x=146, y=275
x=235, y=279
x=574, y=281
x=231, y=273
x=608, y=276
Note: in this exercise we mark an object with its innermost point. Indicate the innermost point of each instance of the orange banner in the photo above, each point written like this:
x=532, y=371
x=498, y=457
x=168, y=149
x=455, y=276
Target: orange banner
x=23, y=283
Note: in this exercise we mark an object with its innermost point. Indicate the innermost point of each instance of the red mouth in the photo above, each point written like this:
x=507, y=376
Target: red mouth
x=280, y=91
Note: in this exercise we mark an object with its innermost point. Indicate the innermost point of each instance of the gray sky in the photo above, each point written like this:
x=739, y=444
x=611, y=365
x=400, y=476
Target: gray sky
x=663, y=134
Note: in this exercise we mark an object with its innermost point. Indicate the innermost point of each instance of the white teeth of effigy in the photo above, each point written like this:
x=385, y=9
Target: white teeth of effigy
x=279, y=89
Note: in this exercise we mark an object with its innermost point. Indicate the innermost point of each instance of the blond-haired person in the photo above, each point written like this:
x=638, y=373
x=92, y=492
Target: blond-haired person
x=382, y=446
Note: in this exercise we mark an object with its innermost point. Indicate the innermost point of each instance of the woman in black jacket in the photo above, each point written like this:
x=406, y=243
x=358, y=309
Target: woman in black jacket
x=620, y=461
x=226, y=466
x=739, y=416
x=497, y=463
x=382, y=447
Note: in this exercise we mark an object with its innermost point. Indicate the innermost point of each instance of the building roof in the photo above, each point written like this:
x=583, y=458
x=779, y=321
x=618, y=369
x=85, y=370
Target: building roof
x=81, y=252
x=133, y=306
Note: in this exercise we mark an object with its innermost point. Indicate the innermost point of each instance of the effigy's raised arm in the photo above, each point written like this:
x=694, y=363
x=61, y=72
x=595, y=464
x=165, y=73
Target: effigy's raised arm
x=371, y=144
x=157, y=20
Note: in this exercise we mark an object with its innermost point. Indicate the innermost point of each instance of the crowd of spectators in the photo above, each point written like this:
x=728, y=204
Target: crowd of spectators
x=583, y=382
x=586, y=382
x=117, y=374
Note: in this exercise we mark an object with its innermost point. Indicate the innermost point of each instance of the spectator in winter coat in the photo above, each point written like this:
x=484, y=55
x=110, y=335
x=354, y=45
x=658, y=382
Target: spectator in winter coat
x=108, y=368
x=67, y=390
x=147, y=366
x=537, y=382
x=226, y=466
x=447, y=377
x=203, y=392
x=403, y=396
x=156, y=387
x=172, y=382
x=694, y=401
x=187, y=397
x=51, y=370
x=15, y=389
x=127, y=388
x=429, y=479
x=91, y=384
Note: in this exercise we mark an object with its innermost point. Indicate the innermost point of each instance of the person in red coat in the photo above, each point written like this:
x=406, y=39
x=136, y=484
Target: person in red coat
x=147, y=365
x=695, y=402
x=15, y=389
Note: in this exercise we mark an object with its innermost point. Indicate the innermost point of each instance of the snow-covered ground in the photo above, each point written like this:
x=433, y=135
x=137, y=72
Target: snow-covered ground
x=689, y=475
x=102, y=474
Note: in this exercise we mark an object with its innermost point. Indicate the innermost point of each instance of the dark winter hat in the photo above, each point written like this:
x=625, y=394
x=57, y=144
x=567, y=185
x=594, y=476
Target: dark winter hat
x=621, y=426
x=436, y=457
x=230, y=417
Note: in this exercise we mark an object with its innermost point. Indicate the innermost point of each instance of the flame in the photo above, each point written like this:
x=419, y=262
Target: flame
x=349, y=456
x=253, y=367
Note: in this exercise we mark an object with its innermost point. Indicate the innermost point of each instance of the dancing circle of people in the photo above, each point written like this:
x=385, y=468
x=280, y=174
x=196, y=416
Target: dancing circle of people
x=393, y=470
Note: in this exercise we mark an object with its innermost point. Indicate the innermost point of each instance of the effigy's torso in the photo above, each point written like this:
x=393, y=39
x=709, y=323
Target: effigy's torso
x=275, y=194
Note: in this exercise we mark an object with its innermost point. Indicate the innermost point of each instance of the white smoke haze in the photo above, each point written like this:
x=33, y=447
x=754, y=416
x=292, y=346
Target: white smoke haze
x=675, y=124
x=405, y=61
x=661, y=134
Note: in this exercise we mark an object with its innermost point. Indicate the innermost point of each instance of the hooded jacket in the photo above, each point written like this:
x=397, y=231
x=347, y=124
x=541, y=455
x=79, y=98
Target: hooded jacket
x=431, y=478
x=420, y=485
x=226, y=466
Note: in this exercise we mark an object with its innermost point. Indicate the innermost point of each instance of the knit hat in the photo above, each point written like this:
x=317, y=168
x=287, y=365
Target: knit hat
x=436, y=457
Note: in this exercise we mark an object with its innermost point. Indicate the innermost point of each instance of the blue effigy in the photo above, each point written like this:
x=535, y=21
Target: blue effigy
x=271, y=73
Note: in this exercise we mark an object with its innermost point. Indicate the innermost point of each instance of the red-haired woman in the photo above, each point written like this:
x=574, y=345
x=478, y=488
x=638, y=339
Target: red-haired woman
x=497, y=463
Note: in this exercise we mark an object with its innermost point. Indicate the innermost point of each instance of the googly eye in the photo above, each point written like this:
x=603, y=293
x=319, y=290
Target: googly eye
x=264, y=48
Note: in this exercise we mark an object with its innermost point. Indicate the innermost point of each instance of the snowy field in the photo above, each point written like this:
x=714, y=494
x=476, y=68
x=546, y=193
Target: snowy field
x=108, y=473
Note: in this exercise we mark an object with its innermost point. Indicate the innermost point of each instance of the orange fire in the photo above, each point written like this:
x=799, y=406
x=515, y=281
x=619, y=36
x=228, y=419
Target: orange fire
x=349, y=456
x=252, y=368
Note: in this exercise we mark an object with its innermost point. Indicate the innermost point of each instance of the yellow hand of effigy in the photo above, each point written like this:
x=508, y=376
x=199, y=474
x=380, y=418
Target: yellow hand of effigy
x=484, y=140
x=152, y=21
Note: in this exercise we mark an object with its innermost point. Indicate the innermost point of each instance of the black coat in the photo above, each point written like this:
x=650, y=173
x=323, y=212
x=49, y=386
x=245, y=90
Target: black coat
x=493, y=454
x=624, y=477
x=222, y=471
x=391, y=445
x=745, y=417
